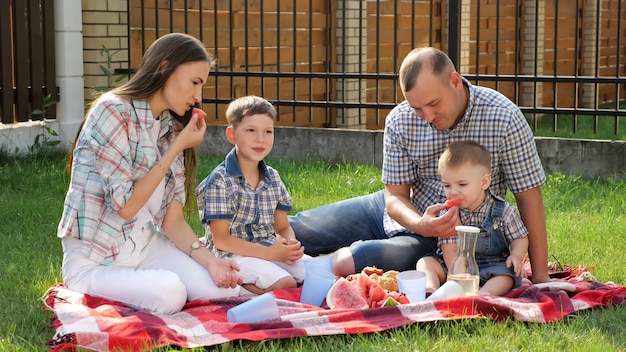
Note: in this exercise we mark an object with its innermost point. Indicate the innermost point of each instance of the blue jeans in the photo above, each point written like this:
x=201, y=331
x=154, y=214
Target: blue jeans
x=358, y=223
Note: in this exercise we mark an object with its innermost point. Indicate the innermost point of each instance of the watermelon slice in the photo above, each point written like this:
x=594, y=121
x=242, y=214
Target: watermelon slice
x=359, y=291
x=390, y=302
x=200, y=112
x=372, y=292
x=454, y=202
x=401, y=298
x=344, y=294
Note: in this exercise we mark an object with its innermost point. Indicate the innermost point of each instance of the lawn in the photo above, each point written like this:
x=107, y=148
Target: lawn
x=582, y=126
x=585, y=219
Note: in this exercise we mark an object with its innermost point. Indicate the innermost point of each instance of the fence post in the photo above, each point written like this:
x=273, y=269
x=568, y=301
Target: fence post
x=351, y=58
x=454, y=32
x=6, y=73
x=533, y=43
x=592, y=17
x=69, y=58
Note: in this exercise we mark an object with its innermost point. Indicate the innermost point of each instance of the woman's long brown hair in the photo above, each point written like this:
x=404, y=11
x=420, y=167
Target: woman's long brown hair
x=173, y=49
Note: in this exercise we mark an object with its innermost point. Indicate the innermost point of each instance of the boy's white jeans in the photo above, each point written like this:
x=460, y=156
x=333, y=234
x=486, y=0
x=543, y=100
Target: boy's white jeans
x=149, y=273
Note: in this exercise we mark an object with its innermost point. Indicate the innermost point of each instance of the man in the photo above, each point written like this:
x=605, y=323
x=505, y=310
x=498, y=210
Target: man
x=440, y=107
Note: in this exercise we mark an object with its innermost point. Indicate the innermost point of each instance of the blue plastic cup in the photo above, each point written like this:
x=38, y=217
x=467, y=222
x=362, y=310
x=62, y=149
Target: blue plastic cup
x=323, y=262
x=259, y=308
x=318, y=280
x=413, y=284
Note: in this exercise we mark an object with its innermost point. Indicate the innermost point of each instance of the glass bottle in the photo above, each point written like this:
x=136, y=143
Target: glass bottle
x=464, y=268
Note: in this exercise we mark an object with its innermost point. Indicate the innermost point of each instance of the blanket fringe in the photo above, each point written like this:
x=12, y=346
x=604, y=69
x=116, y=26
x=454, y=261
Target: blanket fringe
x=48, y=297
x=62, y=341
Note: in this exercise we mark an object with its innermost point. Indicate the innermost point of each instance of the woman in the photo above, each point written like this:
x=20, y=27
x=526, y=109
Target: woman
x=123, y=230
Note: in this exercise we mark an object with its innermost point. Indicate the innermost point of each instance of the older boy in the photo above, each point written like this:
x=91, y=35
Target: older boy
x=243, y=203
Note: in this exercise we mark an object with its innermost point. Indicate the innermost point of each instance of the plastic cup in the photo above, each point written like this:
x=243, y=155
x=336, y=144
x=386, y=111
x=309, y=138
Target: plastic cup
x=323, y=262
x=450, y=289
x=259, y=308
x=413, y=284
x=317, y=282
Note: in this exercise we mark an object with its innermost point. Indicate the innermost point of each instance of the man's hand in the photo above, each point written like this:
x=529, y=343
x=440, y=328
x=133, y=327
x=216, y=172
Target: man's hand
x=439, y=226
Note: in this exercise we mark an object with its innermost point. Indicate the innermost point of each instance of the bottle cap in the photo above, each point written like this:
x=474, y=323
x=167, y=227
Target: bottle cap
x=471, y=229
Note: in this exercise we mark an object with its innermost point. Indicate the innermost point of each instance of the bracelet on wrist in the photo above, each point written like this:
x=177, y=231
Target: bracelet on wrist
x=158, y=163
x=193, y=247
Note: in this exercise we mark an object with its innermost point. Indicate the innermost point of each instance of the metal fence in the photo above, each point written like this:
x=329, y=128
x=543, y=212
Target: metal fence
x=27, y=61
x=334, y=63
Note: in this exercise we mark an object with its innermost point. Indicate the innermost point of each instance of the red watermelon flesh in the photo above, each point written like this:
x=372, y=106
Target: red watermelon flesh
x=200, y=112
x=344, y=294
x=454, y=202
x=359, y=291
x=398, y=297
x=371, y=290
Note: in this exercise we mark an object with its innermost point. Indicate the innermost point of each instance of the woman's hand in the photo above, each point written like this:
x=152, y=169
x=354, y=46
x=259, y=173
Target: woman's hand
x=223, y=271
x=192, y=134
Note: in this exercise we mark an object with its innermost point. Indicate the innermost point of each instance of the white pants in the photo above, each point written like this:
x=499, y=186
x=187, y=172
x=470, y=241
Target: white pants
x=149, y=273
x=263, y=273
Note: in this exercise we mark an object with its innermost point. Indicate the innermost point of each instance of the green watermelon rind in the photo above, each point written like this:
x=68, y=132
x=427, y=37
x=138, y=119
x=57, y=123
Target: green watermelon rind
x=352, y=297
x=389, y=302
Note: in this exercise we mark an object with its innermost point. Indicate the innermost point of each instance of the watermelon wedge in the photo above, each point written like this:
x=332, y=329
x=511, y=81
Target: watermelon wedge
x=359, y=291
x=344, y=294
x=200, y=112
x=454, y=202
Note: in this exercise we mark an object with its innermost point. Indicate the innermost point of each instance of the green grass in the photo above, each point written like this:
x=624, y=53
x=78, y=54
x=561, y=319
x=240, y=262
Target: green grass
x=582, y=126
x=585, y=219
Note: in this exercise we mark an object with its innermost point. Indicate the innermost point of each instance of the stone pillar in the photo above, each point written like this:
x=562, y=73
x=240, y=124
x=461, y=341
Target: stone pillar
x=464, y=60
x=589, y=59
x=533, y=49
x=69, y=69
x=351, y=50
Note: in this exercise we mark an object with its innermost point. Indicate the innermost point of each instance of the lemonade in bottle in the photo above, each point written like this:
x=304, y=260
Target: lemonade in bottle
x=464, y=268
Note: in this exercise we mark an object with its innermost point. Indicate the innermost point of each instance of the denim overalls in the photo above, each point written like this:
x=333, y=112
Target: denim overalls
x=491, y=246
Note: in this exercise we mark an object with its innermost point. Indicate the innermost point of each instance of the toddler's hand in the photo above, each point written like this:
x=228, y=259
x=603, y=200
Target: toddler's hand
x=515, y=262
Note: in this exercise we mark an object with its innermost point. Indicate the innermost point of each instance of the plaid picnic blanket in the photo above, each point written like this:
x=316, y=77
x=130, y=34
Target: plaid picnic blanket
x=97, y=324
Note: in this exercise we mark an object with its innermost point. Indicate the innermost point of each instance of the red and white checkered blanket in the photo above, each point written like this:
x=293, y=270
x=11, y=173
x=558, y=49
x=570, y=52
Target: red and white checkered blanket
x=101, y=325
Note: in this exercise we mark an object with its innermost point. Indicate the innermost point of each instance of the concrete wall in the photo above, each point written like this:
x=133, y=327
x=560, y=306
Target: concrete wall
x=587, y=158
x=300, y=143
x=584, y=157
